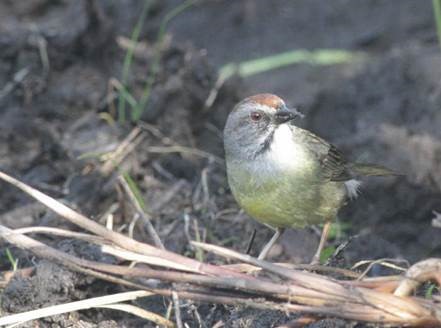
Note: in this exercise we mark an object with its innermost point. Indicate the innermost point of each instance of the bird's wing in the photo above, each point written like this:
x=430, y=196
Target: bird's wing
x=333, y=165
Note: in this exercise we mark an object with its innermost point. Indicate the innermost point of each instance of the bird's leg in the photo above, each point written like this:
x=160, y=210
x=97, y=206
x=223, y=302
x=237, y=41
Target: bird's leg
x=270, y=244
x=323, y=238
x=251, y=241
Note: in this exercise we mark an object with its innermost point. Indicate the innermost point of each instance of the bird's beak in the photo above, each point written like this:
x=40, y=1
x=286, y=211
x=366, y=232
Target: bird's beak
x=285, y=114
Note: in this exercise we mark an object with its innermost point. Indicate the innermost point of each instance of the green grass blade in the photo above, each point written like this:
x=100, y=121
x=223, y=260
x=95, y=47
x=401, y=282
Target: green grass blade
x=260, y=65
x=129, y=58
x=127, y=97
x=154, y=67
x=430, y=290
x=135, y=190
x=326, y=254
x=12, y=260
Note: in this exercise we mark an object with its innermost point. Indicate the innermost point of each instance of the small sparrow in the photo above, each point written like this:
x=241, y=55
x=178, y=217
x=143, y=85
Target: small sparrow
x=285, y=176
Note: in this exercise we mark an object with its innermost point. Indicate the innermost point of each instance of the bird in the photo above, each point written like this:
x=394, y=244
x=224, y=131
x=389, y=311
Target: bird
x=285, y=176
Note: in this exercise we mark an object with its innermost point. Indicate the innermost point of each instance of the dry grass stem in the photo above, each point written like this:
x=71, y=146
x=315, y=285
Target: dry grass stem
x=117, y=238
x=388, y=263
x=250, y=269
x=147, y=315
x=142, y=214
x=62, y=233
x=106, y=301
x=276, y=287
x=133, y=139
x=177, y=307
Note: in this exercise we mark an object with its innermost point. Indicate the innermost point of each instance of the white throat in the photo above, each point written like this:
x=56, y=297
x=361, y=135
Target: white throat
x=285, y=152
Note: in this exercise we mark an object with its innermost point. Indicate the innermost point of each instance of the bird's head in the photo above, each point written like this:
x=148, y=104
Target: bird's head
x=251, y=124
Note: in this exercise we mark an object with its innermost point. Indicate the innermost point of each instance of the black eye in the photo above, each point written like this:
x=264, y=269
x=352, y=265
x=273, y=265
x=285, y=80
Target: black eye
x=256, y=116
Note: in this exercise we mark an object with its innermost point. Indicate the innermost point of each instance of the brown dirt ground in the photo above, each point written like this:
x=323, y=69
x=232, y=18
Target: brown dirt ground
x=382, y=108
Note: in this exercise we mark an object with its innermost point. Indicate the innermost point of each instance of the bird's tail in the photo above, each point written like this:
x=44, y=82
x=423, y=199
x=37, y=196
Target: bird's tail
x=372, y=170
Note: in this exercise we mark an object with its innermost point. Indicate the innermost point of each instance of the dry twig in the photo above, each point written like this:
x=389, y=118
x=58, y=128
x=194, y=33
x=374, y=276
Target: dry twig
x=286, y=289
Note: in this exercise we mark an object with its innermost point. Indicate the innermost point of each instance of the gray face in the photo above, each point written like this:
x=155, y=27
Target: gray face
x=250, y=127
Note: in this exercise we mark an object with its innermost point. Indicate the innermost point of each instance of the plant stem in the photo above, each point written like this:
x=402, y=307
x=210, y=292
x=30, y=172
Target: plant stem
x=154, y=68
x=128, y=59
